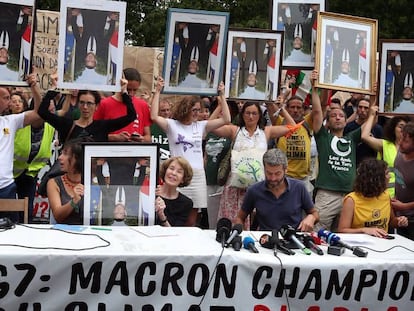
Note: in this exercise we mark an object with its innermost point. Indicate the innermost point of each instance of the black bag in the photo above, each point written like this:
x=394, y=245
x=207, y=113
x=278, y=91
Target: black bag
x=224, y=169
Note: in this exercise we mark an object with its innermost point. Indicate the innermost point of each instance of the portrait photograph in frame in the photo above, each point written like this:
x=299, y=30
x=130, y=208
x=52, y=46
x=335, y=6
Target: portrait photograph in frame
x=91, y=44
x=396, y=76
x=16, y=36
x=346, y=52
x=194, y=51
x=120, y=181
x=298, y=20
x=253, y=64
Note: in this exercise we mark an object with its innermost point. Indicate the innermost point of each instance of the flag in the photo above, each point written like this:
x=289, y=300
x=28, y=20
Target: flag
x=26, y=48
x=145, y=207
x=234, y=71
x=363, y=67
x=302, y=86
x=389, y=89
x=113, y=57
x=328, y=61
x=213, y=59
x=176, y=51
x=69, y=49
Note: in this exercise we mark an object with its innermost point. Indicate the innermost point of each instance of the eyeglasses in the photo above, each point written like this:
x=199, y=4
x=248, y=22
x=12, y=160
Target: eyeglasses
x=82, y=103
x=195, y=110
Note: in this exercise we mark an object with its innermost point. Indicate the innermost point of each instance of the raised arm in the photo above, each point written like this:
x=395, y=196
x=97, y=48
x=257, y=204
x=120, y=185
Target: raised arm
x=373, y=142
x=225, y=117
x=115, y=124
x=31, y=117
x=317, y=113
x=155, y=117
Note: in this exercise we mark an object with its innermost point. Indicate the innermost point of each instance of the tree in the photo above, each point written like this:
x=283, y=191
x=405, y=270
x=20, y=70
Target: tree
x=146, y=19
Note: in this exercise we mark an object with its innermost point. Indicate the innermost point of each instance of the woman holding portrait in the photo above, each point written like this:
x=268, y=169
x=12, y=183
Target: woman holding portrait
x=98, y=130
x=185, y=136
x=250, y=133
x=172, y=207
x=65, y=192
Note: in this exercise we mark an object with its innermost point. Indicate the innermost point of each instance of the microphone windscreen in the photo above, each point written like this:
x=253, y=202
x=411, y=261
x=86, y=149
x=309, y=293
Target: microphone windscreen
x=223, y=229
x=238, y=228
x=223, y=223
x=266, y=241
x=247, y=241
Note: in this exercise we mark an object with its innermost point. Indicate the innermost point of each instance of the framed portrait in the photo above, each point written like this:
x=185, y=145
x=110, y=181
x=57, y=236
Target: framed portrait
x=194, y=51
x=91, y=44
x=298, y=19
x=253, y=64
x=346, y=52
x=120, y=181
x=16, y=36
x=396, y=76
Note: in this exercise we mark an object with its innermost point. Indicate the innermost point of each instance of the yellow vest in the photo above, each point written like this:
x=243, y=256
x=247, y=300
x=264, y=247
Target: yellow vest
x=22, y=147
x=389, y=153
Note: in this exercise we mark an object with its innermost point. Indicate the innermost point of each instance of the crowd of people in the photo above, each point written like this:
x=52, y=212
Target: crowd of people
x=321, y=167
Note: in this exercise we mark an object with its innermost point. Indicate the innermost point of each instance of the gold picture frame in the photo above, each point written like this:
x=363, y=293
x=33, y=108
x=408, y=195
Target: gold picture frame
x=346, y=53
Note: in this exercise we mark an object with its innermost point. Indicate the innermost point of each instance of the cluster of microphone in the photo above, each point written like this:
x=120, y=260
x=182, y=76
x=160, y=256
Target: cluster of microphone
x=229, y=235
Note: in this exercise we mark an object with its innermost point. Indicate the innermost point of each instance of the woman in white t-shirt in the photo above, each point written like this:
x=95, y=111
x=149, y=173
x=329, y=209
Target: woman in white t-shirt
x=185, y=135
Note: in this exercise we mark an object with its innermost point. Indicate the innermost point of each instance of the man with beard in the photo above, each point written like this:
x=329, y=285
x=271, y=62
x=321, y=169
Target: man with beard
x=403, y=203
x=298, y=146
x=337, y=159
x=278, y=200
x=362, y=112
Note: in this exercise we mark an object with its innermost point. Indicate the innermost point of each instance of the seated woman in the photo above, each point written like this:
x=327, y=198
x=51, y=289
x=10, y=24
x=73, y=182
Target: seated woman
x=368, y=208
x=172, y=207
x=65, y=192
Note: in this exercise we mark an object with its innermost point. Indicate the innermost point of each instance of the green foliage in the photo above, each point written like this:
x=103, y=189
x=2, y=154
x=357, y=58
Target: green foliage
x=146, y=19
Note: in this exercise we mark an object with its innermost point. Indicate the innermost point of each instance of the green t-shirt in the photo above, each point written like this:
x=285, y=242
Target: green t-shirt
x=337, y=158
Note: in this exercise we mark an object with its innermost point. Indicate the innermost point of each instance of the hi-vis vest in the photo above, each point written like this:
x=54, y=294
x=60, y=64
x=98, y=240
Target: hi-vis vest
x=389, y=153
x=22, y=147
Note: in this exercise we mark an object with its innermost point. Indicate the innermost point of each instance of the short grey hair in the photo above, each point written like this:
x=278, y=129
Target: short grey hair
x=275, y=157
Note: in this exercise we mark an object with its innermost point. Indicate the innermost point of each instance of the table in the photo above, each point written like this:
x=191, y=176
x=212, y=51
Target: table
x=179, y=269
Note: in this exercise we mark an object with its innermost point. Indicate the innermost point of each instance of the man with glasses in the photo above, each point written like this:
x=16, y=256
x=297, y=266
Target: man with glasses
x=363, y=151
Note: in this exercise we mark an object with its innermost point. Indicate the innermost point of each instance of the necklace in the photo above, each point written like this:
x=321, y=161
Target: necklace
x=68, y=182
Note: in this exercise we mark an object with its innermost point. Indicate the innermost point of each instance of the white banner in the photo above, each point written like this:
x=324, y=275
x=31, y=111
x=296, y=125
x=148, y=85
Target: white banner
x=153, y=273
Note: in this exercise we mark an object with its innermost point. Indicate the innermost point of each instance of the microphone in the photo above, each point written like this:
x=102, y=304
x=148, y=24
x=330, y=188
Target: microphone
x=333, y=239
x=237, y=243
x=248, y=243
x=308, y=241
x=237, y=229
x=289, y=234
x=272, y=242
x=266, y=241
x=279, y=246
x=223, y=230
